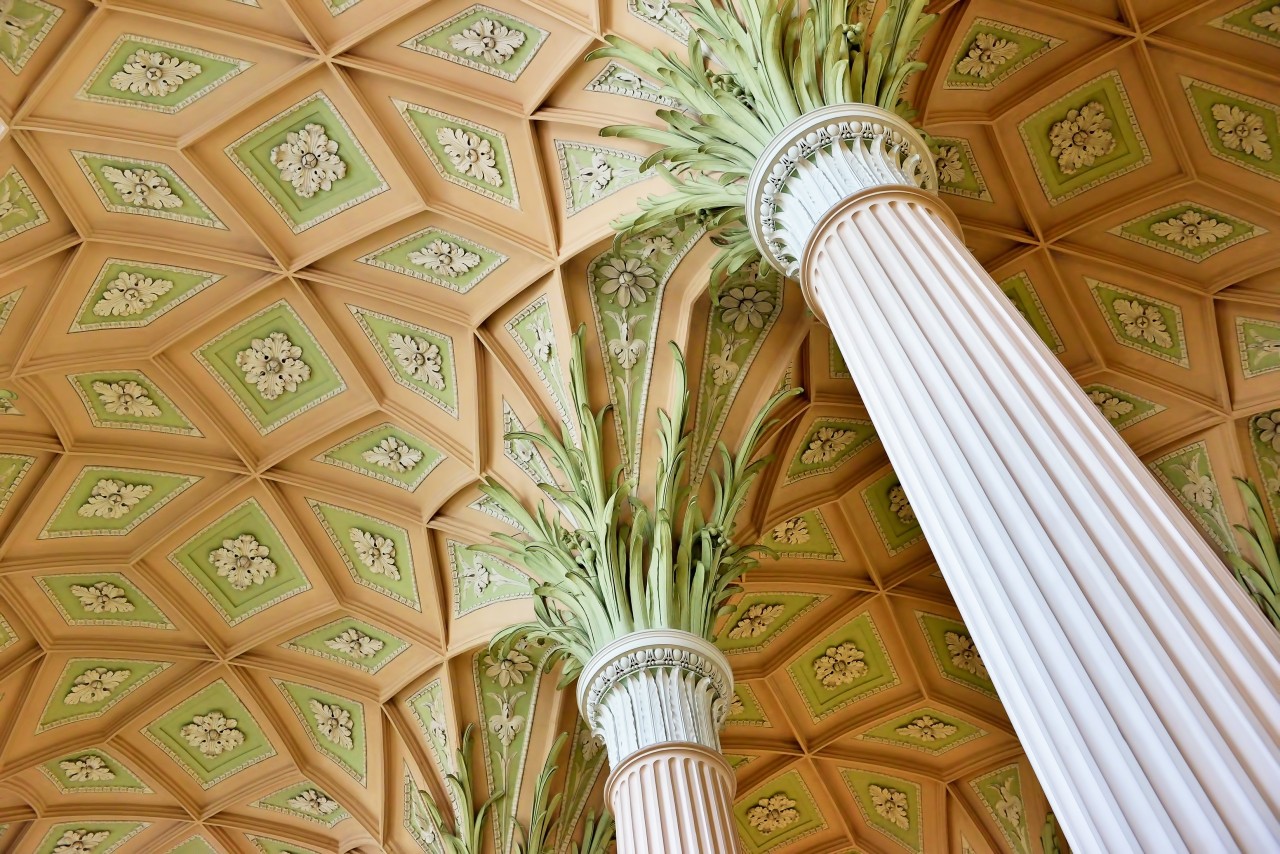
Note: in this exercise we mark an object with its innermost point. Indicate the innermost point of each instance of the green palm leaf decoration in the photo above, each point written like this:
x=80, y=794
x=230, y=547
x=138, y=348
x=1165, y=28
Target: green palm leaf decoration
x=753, y=67
x=1260, y=575
x=607, y=564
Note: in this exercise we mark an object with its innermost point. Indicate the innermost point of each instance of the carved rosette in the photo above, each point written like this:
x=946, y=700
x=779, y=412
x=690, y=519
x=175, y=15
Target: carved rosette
x=653, y=688
x=821, y=159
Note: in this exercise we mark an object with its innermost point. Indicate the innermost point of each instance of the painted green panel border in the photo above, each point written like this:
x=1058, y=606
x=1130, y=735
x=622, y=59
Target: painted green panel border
x=98, y=89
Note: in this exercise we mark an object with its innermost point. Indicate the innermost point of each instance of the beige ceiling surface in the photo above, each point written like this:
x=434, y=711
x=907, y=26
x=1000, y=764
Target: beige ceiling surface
x=275, y=275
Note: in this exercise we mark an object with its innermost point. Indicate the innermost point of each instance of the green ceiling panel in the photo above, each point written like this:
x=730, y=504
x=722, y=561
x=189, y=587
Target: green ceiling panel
x=1187, y=230
x=1143, y=323
x=1253, y=20
x=129, y=400
x=307, y=801
x=958, y=172
x=889, y=804
x=779, y=812
x=13, y=468
x=438, y=256
x=805, y=536
x=101, y=599
x=1188, y=475
x=98, y=837
x=157, y=75
x=144, y=188
x=1001, y=793
x=241, y=563
x=334, y=724
x=92, y=771
x=111, y=502
x=1122, y=409
x=20, y=210
x=481, y=579
x=211, y=735
x=350, y=641
x=1236, y=127
x=272, y=366
x=376, y=552
x=90, y=687
x=307, y=163
x=130, y=294
x=892, y=513
x=1258, y=344
x=590, y=173
x=466, y=154
x=745, y=708
x=418, y=358
x=760, y=618
x=848, y=665
x=993, y=51
x=29, y=22
x=482, y=38
x=955, y=653
x=386, y=453
x=829, y=444
x=925, y=729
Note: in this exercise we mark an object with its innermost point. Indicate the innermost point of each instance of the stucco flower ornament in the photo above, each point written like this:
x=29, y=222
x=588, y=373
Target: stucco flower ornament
x=213, y=733
x=273, y=365
x=628, y=280
x=445, y=258
x=393, y=454
x=950, y=168
x=95, y=685
x=510, y=669
x=333, y=722
x=1191, y=229
x=505, y=723
x=420, y=357
x=1109, y=405
x=840, y=665
x=825, y=445
x=771, y=814
x=126, y=398
x=376, y=552
x=987, y=54
x=1142, y=321
x=1267, y=19
x=964, y=654
x=102, y=597
x=142, y=188
x=1268, y=427
x=113, y=499
x=80, y=841
x=1081, y=138
x=490, y=40
x=891, y=805
x=153, y=74
x=793, y=532
x=313, y=802
x=1241, y=130
x=746, y=306
x=86, y=769
x=129, y=294
x=476, y=576
x=309, y=160
x=8, y=207
x=355, y=643
x=927, y=728
x=243, y=561
x=470, y=154
x=756, y=620
x=900, y=506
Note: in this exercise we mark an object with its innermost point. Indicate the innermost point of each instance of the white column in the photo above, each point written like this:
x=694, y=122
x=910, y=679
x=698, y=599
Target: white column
x=658, y=700
x=1143, y=684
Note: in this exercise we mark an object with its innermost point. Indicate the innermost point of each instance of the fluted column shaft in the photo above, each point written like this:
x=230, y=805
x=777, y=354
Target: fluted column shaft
x=658, y=700
x=1142, y=682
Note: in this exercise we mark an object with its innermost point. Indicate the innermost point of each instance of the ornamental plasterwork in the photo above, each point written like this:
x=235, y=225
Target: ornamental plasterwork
x=129, y=400
x=1142, y=322
x=840, y=665
x=113, y=499
x=304, y=800
x=1022, y=294
x=90, y=837
x=404, y=348
x=273, y=365
x=1001, y=794
x=97, y=689
x=335, y=7
x=1085, y=138
x=1122, y=409
x=762, y=618
x=856, y=666
x=154, y=72
x=471, y=160
x=387, y=454
x=103, y=599
x=964, y=654
x=523, y=452
x=925, y=730
x=338, y=522
x=334, y=725
x=616, y=79
x=92, y=772
x=333, y=722
x=213, y=733
x=1255, y=20
x=1187, y=474
x=792, y=532
x=533, y=330
x=350, y=642
x=491, y=41
x=1258, y=345
x=957, y=168
x=8, y=402
x=1264, y=431
x=144, y=188
x=954, y=653
x=1187, y=230
x=756, y=620
x=23, y=28
x=773, y=813
x=891, y=513
x=243, y=562
x=993, y=51
x=827, y=445
x=13, y=469
x=131, y=294
x=375, y=552
x=660, y=14
x=440, y=257
x=306, y=162
x=15, y=197
x=890, y=805
x=1236, y=127
x=480, y=580
x=590, y=173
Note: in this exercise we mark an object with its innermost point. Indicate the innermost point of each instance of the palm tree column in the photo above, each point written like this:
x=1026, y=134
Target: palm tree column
x=1140, y=679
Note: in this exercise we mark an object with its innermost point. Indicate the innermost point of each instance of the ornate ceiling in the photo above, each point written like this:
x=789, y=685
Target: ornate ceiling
x=276, y=274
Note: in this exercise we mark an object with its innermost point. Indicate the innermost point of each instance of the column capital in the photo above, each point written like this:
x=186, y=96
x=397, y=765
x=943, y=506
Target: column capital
x=821, y=159
x=655, y=687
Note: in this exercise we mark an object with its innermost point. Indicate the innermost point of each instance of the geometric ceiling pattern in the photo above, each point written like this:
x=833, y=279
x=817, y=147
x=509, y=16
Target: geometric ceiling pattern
x=276, y=275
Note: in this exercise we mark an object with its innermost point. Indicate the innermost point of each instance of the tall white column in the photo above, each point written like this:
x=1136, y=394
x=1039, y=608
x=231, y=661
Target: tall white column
x=658, y=700
x=1143, y=684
